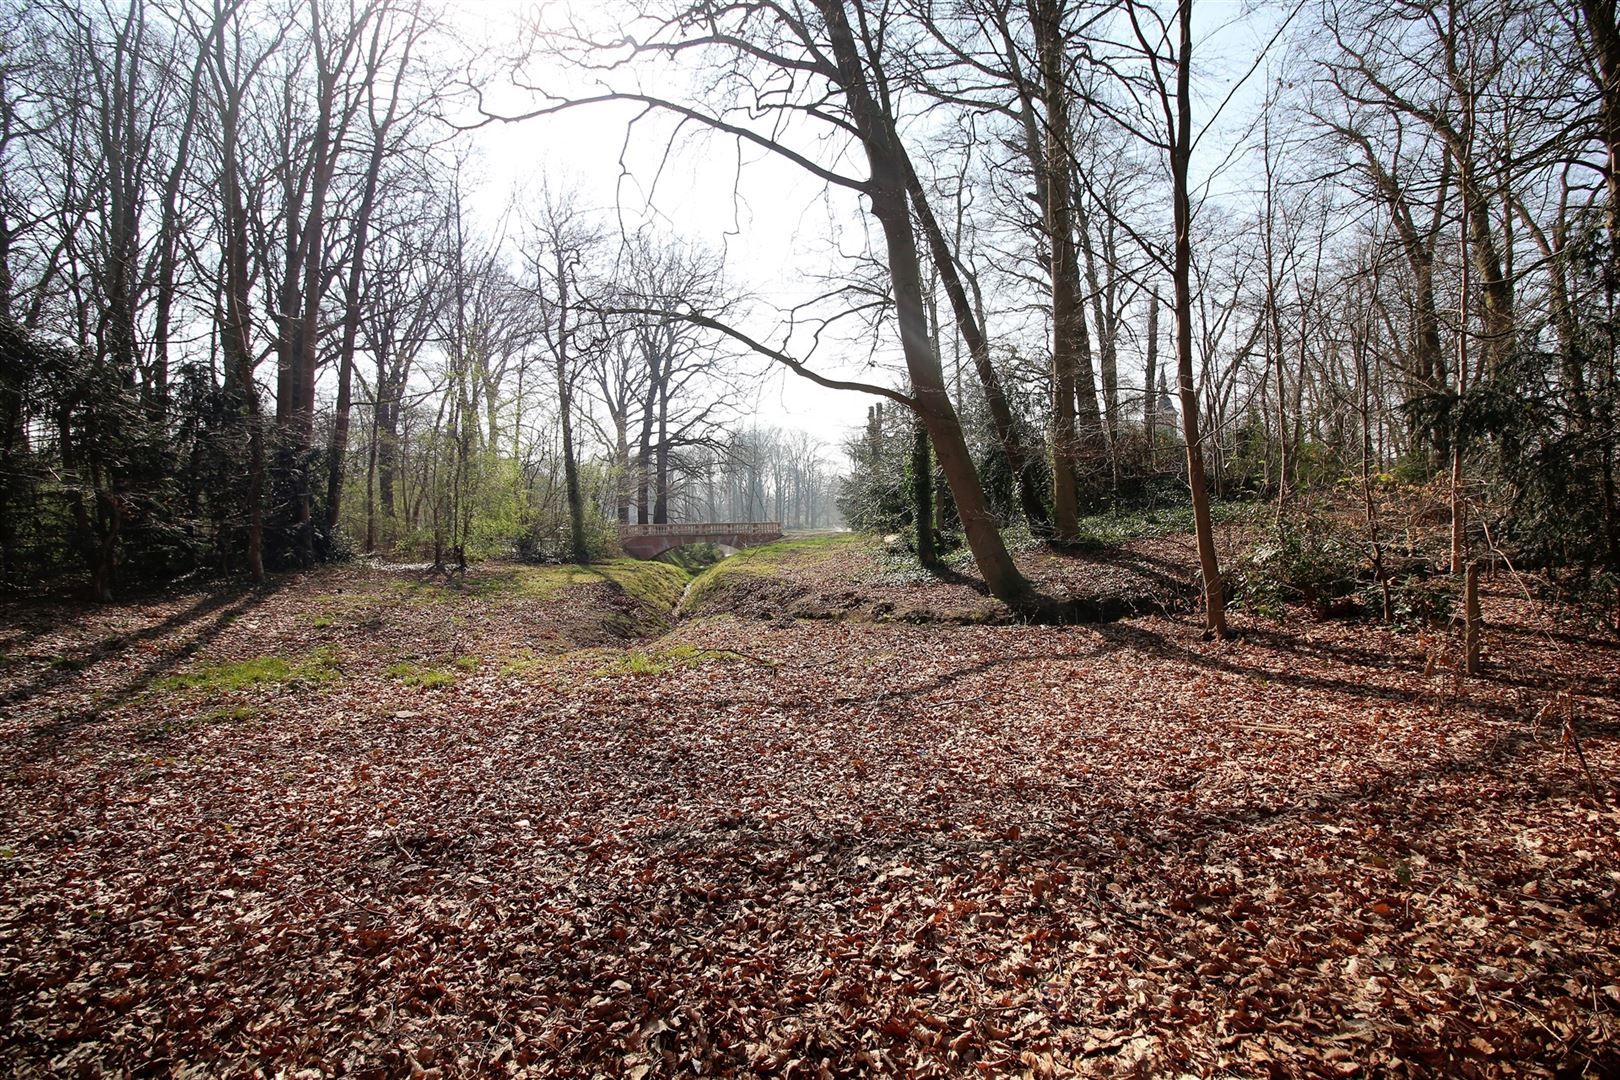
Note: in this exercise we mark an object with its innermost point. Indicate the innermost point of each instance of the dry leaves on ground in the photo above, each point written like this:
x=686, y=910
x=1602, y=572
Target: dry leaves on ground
x=794, y=847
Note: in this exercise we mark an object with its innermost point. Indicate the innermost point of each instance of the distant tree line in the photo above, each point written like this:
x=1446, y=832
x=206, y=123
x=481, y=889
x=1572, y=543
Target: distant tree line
x=249, y=321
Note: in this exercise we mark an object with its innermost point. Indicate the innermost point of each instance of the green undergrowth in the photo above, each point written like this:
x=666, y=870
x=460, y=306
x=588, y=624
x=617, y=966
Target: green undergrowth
x=768, y=560
x=518, y=664
x=1112, y=528
x=316, y=668
x=427, y=677
x=656, y=584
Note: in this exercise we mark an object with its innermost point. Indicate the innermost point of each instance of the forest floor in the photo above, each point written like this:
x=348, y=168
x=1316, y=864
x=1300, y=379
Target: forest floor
x=833, y=818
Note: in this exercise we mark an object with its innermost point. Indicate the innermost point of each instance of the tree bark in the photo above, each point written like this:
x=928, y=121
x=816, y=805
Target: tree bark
x=887, y=189
x=1180, y=162
x=1150, y=377
x=922, y=493
x=973, y=335
x=1068, y=315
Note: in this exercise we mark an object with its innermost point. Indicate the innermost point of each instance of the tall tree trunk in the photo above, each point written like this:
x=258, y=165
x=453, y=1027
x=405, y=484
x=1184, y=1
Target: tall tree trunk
x=1150, y=377
x=1605, y=33
x=661, y=460
x=169, y=235
x=922, y=493
x=351, y=330
x=621, y=458
x=1459, y=539
x=576, y=501
x=233, y=316
x=1180, y=162
x=1107, y=346
x=371, y=488
x=1068, y=316
x=387, y=421
x=562, y=350
x=891, y=207
x=644, y=448
x=303, y=424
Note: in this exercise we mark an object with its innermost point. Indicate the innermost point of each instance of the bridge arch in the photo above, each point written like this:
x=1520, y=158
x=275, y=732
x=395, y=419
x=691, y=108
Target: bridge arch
x=651, y=541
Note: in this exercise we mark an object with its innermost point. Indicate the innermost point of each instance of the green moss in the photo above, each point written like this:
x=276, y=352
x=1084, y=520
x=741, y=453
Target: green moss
x=323, y=620
x=768, y=560
x=655, y=584
x=425, y=677
x=658, y=661
x=694, y=558
x=466, y=663
x=658, y=585
x=319, y=666
x=635, y=663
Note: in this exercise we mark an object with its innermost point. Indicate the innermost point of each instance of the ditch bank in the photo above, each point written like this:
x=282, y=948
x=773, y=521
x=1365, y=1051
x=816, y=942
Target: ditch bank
x=856, y=579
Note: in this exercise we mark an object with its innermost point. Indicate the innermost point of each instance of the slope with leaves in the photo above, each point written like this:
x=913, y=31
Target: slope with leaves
x=809, y=847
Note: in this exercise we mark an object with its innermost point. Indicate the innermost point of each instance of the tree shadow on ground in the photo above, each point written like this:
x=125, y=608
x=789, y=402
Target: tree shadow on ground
x=220, y=612
x=115, y=644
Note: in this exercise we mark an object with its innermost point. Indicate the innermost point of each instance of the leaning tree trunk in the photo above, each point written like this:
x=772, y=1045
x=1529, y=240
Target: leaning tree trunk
x=887, y=189
x=1019, y=457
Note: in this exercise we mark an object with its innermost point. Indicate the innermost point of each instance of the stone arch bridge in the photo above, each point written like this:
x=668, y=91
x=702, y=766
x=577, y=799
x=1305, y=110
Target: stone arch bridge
x=651, y=541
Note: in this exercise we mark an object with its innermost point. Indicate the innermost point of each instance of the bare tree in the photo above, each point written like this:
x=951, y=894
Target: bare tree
x=1172, y=96
x=828, y=62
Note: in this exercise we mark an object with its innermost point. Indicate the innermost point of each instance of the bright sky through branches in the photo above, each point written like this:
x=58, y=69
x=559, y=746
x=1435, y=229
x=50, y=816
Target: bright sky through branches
x=779, y=228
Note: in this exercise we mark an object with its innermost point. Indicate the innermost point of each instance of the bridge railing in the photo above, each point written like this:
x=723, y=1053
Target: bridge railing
x=701, y=528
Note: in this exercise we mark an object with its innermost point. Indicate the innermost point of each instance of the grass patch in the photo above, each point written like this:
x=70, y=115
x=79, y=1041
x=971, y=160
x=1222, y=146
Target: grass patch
x=425, y=677
x=323, y=620
x=519, y=664
x=318, y=667
x=769, y=559
x=694, y=558
x=658, y=585
x=655, y=584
